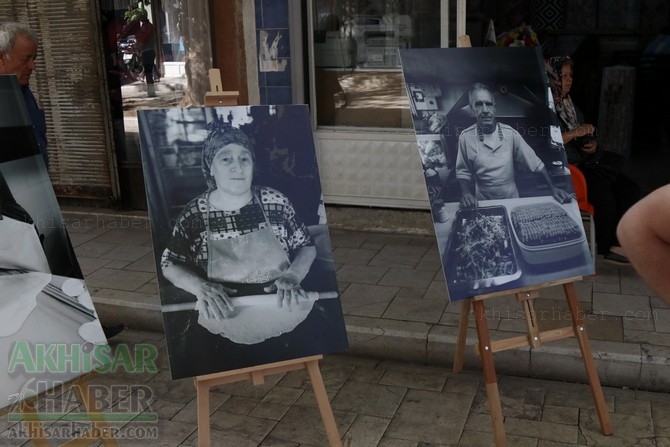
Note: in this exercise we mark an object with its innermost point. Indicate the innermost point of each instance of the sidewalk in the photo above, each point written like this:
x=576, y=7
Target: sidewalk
x=394, y=387
x=375, y=403
x=396, y=308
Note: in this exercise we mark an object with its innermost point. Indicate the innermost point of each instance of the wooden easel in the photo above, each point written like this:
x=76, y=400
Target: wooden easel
x=34, y=425
x=256, y=374
x=534, y=338
x=217, y=96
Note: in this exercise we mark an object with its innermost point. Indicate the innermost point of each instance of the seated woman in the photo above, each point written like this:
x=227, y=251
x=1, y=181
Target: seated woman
x=610, y=193
x=237, y=238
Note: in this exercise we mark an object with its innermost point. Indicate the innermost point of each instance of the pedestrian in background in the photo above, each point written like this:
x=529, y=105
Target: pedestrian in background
x=18, y=51
x=145, y=37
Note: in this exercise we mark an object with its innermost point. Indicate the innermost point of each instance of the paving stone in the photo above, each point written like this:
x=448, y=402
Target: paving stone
x=419, y=379
x=662, y=320
x=369, y=399
x=406, y=278
x=305, y=426
x=246, y=428
x=628, y=306
x=542, y=430
x=353, y=256
x=127, y=252
x=560, y=415
x=428, y=417
x=423, y=310
x=93, y=249
x=367, y=300
x=146, y=263
x=399, y=256
x=276, y=403
x=118, y=279
x=362, y=274
x=628, y=430
x=365, y=431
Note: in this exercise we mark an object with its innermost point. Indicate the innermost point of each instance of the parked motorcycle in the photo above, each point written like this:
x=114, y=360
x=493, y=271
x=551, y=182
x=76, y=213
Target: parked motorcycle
x=131, y=60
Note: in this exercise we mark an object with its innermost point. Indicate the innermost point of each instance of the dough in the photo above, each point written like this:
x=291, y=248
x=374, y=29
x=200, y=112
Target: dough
x=253, y=324
x=19, y=298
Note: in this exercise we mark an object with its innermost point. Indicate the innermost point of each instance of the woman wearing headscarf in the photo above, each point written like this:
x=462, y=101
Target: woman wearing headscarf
x=610, y=191
x=237, y=238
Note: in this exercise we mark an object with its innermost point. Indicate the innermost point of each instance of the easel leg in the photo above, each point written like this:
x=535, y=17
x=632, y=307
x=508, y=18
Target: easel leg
x=489, y=373
x=323, y=404
x=462, y=336
x=81, y=388
x=589, y=363
x=34, y=426
x=202, y=399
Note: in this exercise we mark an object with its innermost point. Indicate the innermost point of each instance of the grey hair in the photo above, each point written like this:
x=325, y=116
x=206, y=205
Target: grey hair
x=9, y=31
x=479, y=86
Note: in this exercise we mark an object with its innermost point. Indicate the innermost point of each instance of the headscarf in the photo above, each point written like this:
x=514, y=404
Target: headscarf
x=221, y=134
x=565, y=109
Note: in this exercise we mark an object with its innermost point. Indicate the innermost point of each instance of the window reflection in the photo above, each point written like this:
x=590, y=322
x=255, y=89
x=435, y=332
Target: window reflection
x=357, y=70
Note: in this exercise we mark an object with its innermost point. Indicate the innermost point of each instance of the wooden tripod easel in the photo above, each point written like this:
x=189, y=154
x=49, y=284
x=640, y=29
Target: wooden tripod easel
x=36, y=431
x=535, y=338
x=256, y=374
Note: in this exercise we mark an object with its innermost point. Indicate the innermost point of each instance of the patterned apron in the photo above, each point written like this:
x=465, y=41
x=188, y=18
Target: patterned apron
x=253, y=259
x=257, y=257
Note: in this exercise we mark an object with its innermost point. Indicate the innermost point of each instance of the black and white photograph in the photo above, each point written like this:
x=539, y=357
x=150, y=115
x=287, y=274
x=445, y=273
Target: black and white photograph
x=245, y=268
x=45, y=300
x=498, y=181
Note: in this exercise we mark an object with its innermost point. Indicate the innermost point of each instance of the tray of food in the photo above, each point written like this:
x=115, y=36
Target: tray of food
x=481, y=250
x=546, y=233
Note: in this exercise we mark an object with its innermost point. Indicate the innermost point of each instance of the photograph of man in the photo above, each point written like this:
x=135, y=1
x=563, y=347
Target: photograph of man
x=504, y=216
x=488, y=153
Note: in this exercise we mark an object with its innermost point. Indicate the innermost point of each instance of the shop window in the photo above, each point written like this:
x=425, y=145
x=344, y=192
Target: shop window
x=358, y=80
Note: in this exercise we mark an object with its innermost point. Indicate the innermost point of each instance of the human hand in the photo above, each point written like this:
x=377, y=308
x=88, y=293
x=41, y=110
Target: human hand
x=561, y=196
x=585, y=129
x=468, y=201
x=214, y=301
x=288, y=290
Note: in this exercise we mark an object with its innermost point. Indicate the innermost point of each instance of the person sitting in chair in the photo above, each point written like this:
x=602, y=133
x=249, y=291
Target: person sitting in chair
x=609, y=190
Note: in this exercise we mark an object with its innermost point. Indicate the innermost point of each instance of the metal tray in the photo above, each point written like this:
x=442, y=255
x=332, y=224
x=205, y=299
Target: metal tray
x=481, y=254
x=558, y=245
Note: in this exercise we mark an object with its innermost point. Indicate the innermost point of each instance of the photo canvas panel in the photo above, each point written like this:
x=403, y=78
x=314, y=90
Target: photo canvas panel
x=49, y=330
x=508, y=239
x=194, y=157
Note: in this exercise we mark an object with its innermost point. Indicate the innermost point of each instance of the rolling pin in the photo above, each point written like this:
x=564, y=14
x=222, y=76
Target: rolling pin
x=250, y=300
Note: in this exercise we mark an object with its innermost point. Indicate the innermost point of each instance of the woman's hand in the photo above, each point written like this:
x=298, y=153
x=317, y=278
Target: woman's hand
x=584, y=129
x=214, y=301
x=288, y=289
x=578, y=132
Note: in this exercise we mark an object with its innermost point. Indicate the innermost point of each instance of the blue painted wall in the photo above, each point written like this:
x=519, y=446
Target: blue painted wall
x=272, y=17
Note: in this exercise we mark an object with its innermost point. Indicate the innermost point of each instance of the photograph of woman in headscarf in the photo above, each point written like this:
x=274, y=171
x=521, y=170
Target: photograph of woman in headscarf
x=246, y=256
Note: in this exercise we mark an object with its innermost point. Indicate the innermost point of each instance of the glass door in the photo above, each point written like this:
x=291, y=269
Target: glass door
x=356, y=70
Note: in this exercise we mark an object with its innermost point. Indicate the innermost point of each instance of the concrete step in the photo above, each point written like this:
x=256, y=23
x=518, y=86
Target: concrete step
x=618, y=364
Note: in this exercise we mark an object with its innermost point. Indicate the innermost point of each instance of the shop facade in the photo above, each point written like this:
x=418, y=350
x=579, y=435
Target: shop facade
x=337, y=56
